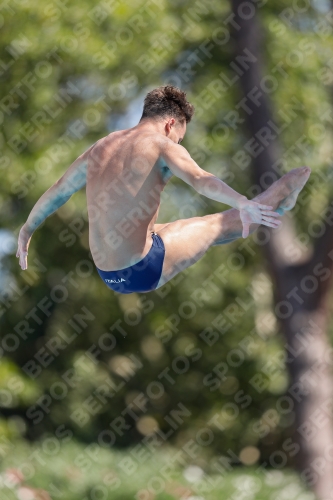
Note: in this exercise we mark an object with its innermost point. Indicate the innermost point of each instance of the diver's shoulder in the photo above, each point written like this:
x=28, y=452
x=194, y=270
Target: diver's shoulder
x=165, y=143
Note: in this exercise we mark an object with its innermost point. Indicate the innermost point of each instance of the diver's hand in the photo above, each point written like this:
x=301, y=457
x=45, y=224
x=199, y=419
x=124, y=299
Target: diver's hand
x=252, y=212
x=22, y=247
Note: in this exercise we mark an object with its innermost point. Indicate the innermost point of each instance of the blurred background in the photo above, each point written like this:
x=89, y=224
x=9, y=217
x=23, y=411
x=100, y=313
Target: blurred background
x=217, y=385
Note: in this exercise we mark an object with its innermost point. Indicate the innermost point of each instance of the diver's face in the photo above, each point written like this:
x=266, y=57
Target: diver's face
x=176, y=130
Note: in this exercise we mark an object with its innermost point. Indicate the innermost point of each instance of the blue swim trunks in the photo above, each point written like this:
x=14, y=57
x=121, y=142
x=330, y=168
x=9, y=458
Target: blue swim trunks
x=142, y=276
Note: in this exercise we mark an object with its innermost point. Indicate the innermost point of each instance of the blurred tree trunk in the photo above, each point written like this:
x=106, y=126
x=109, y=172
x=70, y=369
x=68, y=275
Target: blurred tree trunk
x=301, y=286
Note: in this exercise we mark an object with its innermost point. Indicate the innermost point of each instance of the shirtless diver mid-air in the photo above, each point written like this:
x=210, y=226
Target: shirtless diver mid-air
x=125, y=173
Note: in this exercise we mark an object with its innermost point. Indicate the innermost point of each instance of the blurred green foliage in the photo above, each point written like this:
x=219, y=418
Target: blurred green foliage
x=103, y=474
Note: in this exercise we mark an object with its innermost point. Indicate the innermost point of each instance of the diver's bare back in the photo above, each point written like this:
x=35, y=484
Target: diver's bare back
x=124, y=183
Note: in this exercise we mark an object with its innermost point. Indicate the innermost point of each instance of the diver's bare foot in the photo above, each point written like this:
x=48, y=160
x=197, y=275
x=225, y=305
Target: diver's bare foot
x=282, y=194
x=292, y=184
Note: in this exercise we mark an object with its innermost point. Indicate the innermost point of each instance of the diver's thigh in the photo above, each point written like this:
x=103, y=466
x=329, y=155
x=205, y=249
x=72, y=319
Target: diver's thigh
x=185, y=242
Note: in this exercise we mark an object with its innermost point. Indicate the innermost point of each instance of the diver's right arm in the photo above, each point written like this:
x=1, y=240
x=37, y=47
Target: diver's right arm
x=183, y=166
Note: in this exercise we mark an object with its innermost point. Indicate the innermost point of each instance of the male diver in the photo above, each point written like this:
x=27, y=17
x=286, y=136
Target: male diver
x=125, y=173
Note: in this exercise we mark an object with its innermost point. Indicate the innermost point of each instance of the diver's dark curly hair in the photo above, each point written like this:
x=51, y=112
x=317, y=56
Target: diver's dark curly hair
x=167, y=101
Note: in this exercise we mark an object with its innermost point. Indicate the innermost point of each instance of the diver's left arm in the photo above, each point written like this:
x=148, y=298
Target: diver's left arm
x=73, y=179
